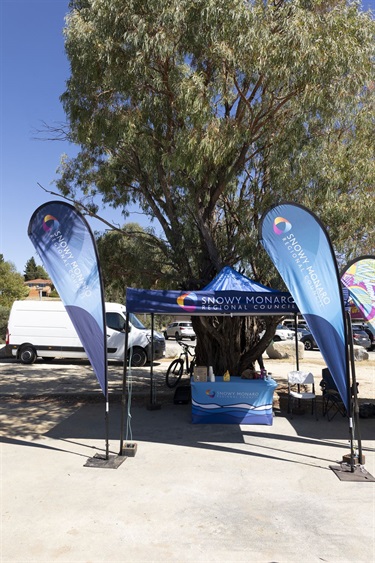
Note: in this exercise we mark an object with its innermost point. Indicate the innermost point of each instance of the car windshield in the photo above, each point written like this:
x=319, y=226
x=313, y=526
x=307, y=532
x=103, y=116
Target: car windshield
x=361, y=333
x=136, y=322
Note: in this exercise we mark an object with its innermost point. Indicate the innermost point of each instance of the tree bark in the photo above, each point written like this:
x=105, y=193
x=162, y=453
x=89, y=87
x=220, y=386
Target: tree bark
x=232, y=343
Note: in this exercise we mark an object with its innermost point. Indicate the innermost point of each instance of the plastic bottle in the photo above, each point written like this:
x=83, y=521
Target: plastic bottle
x=211, y=375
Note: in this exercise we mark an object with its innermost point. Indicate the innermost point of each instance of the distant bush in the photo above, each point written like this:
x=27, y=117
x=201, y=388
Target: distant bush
x=160, y=321
x=4, y=316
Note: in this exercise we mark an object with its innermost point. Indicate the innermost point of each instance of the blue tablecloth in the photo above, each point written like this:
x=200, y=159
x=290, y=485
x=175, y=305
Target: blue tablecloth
x=238, y=401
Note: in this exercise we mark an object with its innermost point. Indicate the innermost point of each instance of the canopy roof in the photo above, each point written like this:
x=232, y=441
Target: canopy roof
x=230, y=280
x=230, y=293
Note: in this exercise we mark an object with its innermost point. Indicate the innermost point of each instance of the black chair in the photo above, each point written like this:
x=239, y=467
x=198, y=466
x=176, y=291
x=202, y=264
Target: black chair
x=332, y=402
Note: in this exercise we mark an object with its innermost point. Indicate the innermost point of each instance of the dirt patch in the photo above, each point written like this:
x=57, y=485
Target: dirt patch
x=72, y=382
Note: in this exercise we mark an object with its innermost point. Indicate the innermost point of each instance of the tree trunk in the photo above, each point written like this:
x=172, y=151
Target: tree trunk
x=232, y=343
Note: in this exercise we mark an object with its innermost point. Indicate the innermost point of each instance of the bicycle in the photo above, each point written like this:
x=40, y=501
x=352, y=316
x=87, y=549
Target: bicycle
x=177, y=366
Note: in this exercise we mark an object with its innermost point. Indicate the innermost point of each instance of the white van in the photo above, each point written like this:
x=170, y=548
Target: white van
x=43, y=328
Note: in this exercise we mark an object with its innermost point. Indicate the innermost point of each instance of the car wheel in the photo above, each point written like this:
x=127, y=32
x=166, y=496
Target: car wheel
x=178, y=337
x=27, y=355
x=276, y=338
x=166, y=335
x=308, y=344
x=138, y=357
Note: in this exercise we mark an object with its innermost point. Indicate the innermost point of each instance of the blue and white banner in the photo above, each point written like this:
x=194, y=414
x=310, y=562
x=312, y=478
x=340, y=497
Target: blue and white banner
x=238, y=401
x=300, y=248
x=209, y=302
x=66, y=246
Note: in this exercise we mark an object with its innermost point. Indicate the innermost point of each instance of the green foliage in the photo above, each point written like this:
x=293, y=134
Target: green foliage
x=131, y=258
x=160, y=321
x=54, y=294
x=205, y=113
x=4, y=316
x=12, y=285
x=33, y=271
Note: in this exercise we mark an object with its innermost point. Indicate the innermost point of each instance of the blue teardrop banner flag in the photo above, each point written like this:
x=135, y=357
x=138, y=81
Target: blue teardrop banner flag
x=299, y=246
x=66, y=246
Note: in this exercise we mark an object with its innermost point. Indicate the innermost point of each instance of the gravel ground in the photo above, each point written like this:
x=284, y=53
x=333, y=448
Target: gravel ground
x=75, y=380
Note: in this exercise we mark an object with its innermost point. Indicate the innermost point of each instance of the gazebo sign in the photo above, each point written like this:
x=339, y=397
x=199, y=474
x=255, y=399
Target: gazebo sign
x=230, y=293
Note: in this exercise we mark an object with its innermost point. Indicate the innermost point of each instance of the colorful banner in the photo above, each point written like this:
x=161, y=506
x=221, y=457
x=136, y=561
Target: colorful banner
x=355, y=313
x=301, y=250
x=359, y=278
x=66, y=246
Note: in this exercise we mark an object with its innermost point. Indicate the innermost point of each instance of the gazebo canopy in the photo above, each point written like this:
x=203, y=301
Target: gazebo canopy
x=229, y=293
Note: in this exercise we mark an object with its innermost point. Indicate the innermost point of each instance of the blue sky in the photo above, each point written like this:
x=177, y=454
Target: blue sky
x=33, y=74
x=33, y=71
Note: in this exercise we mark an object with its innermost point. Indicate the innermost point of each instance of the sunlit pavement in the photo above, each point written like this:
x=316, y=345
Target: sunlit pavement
x=191, y=493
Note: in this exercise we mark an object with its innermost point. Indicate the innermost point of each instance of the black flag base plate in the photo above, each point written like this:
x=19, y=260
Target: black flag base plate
x=100, y=460
x=344, y=473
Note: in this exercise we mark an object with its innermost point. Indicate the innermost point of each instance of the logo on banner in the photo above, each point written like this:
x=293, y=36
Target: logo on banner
x=187, y=301
x=50, y=223
x=68, y=255
x=301, y=261
x=210, y=393
x=281, y=226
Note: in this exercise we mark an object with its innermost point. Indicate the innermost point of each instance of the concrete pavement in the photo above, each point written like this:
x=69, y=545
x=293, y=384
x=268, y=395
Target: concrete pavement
x=204, y=493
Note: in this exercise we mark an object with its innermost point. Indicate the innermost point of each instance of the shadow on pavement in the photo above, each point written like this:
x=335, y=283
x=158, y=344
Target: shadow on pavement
x=292, y=440
x=29, y=444
x=171, y=425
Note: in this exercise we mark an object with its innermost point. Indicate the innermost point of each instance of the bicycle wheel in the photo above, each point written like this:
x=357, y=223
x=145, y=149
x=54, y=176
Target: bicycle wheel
x=174, y=373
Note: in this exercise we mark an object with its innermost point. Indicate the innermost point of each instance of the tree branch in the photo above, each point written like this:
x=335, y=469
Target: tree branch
x=81, y=207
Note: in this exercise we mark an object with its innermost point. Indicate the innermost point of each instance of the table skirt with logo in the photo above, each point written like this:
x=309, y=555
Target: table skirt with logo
x=238, y=401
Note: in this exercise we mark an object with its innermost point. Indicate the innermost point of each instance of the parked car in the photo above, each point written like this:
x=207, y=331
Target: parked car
x=301, y=325
x=360, y=338
x=283, y=333
x=308, y=340
x=369, y=333
x=44, y=329
x=180, y=330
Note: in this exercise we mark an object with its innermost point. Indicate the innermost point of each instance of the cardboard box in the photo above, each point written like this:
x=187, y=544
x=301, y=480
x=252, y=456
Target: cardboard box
x=200, y=373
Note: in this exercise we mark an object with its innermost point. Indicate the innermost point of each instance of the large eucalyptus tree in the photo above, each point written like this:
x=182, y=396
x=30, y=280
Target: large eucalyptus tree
x=205, y=112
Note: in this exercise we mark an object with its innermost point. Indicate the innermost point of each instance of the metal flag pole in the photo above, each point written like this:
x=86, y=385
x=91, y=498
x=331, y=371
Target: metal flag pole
x=296, y=339
x=354, y=393
x=356, y=464
x=123, y=395
x=349, y=400
x=153, y=405
x=106, y=415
